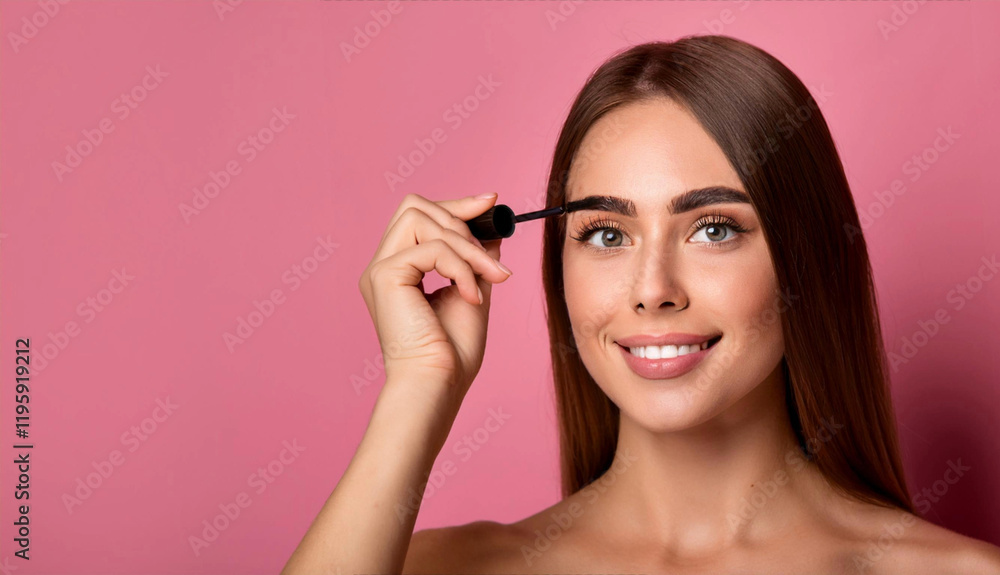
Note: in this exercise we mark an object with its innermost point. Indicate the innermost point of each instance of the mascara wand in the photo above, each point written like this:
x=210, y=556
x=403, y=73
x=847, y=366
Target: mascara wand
x=498, y=221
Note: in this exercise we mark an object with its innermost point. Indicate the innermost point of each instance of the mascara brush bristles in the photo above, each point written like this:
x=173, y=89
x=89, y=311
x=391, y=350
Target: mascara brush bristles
x=540, y=214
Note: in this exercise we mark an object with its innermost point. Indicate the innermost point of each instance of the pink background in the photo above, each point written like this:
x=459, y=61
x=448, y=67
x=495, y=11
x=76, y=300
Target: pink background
x=323, y=176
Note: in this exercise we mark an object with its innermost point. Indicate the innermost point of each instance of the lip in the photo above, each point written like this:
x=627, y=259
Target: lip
x=664, y=368
x=664, y=339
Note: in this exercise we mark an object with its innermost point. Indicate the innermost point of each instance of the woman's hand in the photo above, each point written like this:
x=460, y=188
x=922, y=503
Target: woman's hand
x=435, y=339
x=433, y=347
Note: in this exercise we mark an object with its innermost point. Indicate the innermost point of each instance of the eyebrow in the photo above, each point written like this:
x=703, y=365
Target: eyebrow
x=690, y=200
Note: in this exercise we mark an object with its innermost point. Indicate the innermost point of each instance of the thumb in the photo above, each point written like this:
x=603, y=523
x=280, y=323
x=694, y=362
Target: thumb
x=493, y=247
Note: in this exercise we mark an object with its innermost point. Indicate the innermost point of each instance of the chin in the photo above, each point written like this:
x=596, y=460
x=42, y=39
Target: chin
x=679, y=402
x=676, y=407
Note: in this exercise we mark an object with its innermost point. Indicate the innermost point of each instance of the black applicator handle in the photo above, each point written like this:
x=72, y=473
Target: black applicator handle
x=498, y=221
x=493, y=224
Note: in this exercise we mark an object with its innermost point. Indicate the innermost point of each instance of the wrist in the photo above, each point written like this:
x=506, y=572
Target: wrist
x=424, y=413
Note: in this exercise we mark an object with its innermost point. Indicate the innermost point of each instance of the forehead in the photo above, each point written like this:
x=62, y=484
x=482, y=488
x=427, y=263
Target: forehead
x=648, y=151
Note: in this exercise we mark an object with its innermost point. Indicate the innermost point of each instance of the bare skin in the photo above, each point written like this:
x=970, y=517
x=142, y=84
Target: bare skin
x=692, y=452
x=432, y=346
x=708, y=475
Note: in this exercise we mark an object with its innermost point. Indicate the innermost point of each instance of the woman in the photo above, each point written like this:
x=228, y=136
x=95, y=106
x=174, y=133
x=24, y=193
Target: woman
x=720, y=375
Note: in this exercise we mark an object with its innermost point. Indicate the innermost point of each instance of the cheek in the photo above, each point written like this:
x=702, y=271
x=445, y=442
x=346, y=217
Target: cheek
x=737, y=295
x=595, y=289
x=584, y=294
x=753, y=308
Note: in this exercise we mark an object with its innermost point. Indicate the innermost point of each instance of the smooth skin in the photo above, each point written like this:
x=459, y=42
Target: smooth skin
x=692, y=451
x=432, y=347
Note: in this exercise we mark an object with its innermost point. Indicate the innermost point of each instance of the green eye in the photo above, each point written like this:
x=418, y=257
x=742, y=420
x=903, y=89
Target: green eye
x=611, y=232
x=715, y=226
x=714, y=232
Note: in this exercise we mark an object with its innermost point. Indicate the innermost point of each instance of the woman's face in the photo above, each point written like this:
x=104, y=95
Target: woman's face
x=662, y=272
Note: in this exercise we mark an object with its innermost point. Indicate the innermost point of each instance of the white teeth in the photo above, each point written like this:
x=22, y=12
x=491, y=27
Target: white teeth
x=667, y=351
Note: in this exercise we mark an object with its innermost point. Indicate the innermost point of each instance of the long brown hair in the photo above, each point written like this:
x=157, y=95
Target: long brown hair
x=771, y=130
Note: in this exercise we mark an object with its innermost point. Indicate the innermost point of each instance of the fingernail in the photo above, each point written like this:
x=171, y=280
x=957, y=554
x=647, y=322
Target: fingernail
x=480, y=290
x=502, y=267
x=486, y=196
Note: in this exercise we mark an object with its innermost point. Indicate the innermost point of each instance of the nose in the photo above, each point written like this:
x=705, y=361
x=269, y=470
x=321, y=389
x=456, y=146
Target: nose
x=656, y=284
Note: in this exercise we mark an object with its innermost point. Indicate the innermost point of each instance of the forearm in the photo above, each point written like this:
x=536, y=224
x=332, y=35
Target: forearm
x=366, y=524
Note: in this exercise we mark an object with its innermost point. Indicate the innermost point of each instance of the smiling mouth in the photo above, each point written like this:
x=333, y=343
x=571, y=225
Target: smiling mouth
x=670, y=351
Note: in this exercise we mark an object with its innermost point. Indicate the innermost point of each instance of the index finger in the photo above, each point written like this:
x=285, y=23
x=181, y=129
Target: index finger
x=445, y=212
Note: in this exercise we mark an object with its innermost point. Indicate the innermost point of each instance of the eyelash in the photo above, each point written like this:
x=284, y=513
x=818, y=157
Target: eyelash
x=712, y=218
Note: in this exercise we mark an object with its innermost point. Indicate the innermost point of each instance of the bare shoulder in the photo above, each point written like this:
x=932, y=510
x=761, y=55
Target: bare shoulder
x=951, y=552
x=468, y=548
x=492, y=547
x=903, y=543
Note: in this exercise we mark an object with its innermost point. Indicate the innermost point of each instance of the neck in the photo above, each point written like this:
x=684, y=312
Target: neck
x=733, y=480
